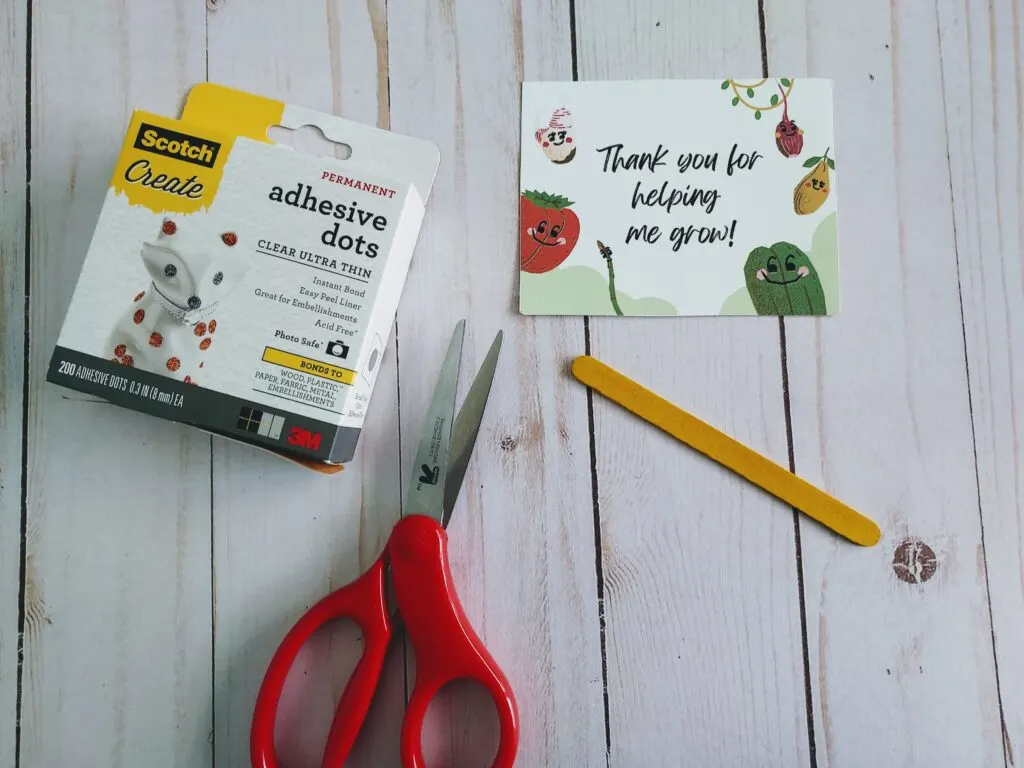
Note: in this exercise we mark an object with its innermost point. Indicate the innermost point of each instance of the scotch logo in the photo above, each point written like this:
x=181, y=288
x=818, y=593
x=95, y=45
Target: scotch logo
x=180, y=146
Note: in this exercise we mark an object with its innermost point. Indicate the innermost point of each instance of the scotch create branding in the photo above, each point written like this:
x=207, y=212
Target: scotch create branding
x=168, y=143
x=168, y=167
x=241, y=286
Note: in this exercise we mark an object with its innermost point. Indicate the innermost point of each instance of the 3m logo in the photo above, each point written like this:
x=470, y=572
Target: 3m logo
x=303, y=438
x=180, y=146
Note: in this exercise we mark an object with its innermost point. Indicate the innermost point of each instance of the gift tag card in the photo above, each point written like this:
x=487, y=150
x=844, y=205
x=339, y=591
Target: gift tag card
x=679, y=197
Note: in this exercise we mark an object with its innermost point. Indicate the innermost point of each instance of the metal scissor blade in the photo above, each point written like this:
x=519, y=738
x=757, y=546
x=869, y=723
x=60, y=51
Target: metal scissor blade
x=466, y=428
x=430, y=467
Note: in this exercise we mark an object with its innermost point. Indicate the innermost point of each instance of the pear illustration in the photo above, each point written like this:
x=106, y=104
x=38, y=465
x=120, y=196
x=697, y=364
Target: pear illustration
x=813, y=189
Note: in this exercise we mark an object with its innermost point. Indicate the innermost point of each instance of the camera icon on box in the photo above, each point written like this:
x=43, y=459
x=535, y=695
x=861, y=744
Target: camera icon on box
x=337, y=348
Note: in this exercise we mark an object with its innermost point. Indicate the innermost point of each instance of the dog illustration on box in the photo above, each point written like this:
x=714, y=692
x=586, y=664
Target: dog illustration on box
x=170, y=325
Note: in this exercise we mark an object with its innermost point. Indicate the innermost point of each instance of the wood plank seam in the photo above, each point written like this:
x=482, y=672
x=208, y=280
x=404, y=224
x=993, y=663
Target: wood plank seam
x=213, y=593
x=23, y=523
x=595, y=497
x=406, y=661
x=211, y=7
x=627, y=48
x=467, y=107
x=909, y=52
x=384, y=121
x=338, y=63
x=801, y=595
x=1007, y=749
x=598, y=556
x=1007, y=759
x=791, y=456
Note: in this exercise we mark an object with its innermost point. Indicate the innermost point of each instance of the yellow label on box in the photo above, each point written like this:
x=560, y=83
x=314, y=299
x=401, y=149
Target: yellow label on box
x=308, y=365
x=167, y=166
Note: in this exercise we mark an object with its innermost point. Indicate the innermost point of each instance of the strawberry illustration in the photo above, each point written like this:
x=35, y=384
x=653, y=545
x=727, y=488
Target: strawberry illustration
x=549, y=231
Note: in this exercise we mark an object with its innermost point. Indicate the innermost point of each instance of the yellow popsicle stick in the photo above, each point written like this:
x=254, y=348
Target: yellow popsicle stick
x=730, y=453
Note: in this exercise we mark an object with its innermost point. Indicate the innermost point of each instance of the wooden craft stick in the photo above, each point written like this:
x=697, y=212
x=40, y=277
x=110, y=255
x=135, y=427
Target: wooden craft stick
x=730, y=453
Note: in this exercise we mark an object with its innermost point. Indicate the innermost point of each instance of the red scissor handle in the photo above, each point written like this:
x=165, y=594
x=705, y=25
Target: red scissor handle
x=364, y=601
x=445, y=644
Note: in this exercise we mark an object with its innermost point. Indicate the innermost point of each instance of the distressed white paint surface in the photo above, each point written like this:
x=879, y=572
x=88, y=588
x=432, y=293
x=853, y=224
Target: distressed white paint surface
x=117, y=613
x=901, y=674
x=983, y=99
x=522, y=535
x=283, y=536
x=149, y=622
x=13, y=191
x=699, y=570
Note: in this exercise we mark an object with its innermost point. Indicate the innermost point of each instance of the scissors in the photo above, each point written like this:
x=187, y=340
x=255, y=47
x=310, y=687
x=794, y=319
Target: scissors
x=415, y=562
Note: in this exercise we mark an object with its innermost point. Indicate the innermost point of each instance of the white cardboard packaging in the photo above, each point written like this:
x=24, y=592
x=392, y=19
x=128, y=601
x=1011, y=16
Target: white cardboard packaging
x=242, y=286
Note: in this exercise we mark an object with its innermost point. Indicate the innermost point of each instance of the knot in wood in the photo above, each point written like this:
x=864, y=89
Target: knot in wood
x=914, y=562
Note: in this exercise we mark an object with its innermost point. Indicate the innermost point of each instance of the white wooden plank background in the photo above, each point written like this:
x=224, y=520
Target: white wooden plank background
x=117, y=598
x=709, y=627
x=881, y=412
x=983, y=99
x=13, y=191
x=699, y=571
x=522, y=535
x=315, y=533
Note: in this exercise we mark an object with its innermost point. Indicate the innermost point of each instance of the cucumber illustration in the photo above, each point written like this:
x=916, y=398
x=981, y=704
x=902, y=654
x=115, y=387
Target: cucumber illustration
x=782, y=280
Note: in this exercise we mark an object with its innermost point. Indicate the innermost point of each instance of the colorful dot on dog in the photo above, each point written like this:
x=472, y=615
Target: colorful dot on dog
x=139, y=316
x=169, y=227
x=127, y=360
x=155, y=339
x=139, y=295
x=200, y=329
x=173, y=364
x=120, y=349
x=213, y=326
x=205, y=344
x=189, y=380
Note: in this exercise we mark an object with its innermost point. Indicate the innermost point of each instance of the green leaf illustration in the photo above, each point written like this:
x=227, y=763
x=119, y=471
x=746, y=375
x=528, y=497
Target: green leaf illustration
x=785, y=82
x=750, y=93
x=811, y=161
x=831, y=164
x=775, y=99
x=545, y=200
x=735, y=100
x=725, y=84
x=757, y=115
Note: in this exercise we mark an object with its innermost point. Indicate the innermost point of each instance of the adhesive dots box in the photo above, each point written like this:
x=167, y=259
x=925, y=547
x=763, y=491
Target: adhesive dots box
x=241, y=285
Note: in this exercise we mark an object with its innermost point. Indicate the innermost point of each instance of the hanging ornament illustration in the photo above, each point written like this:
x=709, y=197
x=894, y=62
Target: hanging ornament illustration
x=789, y=138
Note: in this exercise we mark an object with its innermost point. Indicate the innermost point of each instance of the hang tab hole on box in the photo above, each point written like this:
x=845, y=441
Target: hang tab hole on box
x=309, y=139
